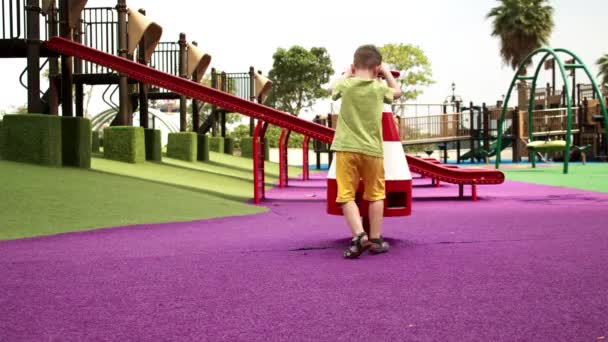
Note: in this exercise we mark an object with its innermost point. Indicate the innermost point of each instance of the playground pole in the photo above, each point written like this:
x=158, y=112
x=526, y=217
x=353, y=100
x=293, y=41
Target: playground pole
x=195, y=103
x=34, y=105
x=472, y=131
x=143, y=87
x=54, y=87
x=123, y=84
x=183, y=106
x=486, y=131
x=252, y=97
x=223, y=112
x=79, y=87
x=65, y=31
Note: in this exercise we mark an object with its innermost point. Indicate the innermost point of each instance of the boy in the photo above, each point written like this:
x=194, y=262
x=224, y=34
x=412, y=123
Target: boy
x=358, y=145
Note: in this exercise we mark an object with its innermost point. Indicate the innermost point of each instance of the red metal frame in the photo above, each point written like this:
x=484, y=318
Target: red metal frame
x=263, y=113
x=450, y=174
x=259, y=190
x=305, y=166
x=191, y=89
x=283, y=158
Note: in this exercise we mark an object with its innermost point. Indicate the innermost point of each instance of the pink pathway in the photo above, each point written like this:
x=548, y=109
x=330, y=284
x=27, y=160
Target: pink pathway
x=525, y=263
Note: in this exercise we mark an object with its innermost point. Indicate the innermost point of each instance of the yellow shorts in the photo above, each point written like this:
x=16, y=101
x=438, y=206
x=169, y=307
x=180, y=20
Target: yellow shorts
x=351, y=168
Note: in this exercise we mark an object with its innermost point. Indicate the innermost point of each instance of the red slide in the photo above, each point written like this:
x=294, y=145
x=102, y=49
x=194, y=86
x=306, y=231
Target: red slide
x=235, y=104
x=449, y=174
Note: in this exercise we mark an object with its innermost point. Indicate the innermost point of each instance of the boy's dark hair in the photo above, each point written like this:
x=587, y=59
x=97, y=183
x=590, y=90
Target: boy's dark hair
x=367, y=57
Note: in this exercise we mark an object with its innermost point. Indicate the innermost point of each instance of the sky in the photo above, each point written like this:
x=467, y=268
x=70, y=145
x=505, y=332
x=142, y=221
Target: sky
x=455, y=35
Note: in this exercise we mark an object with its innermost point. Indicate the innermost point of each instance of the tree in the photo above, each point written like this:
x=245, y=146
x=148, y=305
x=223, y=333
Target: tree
x=297, y=76
x=522, y=26
x=602, y=63
x=415, y=68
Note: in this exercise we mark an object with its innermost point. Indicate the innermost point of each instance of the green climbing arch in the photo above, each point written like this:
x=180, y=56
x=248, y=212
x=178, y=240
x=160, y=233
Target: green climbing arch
x=578, y=64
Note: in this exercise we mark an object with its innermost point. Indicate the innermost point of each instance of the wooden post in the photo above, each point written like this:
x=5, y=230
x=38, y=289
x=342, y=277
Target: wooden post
x=78, y=86
x=143, y=87
x=223, y=112
x=34, y=105
x=516, y=135
x=123, y=83
x=252, y=97
x=486, y=131
x=472, y=132
x=66, y=32
x=213, y=117
x=196, y=119
x=183, y=105
x=54, y=77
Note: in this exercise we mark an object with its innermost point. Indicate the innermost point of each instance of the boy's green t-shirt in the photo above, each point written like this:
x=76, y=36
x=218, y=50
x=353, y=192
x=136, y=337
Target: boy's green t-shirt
x=359, y=127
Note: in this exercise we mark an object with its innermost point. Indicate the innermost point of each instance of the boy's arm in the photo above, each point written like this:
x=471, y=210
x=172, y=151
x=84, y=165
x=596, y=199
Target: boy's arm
x=390, y=80
x=335, y=86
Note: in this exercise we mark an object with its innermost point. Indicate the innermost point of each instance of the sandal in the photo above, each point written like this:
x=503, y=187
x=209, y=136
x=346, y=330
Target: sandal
x=378, y=246
x=357, y=247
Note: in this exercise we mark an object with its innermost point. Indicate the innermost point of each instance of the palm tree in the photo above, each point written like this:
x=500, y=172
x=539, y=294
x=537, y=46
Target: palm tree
x=602, y=63
x=522, y=26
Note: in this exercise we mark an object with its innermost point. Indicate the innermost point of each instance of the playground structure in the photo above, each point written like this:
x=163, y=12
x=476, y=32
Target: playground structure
x=568, y=119
x=482, y=130
x=93, y=49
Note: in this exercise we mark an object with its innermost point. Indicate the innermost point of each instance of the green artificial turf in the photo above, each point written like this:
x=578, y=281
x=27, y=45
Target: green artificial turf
x=42, y=201
x=592, y=177
x=224, y=175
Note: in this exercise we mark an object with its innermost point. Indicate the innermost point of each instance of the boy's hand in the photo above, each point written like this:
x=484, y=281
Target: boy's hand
x=385, y=69
x=348, y=72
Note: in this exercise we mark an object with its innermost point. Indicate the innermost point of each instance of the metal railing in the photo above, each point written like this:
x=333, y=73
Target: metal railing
x=433, y=128
x=166, y=59
x=551, y=121
x=237, y=83
x=14, y=20
x=425, y=109
x=99, y=31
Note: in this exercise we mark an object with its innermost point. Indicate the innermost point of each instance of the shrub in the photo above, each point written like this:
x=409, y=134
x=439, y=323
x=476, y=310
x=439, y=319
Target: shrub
x=216, y=144
x=2, y=135
x=182, y=146
x=32, y=138
x=202, y=147
x=153, y=144
x=95, y=141
x=247, y=148
x=124, y=143
x=76, y=141
x=228, y=145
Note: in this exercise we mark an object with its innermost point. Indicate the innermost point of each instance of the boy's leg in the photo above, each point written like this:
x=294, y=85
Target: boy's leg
x=347, y=179
x=353, y=217
x=373, y=180
x=376, y=216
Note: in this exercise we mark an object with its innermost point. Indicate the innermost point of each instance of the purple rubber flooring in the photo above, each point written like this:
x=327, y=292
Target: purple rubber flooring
x=524, y=263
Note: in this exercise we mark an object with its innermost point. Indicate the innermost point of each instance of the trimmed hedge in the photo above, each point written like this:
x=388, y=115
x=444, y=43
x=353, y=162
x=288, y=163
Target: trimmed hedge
x=153, y=144
x=2, y=135
x=216, y=144
x=182, y=146
x=76, y=142
x=247, y=148
x=124, y=143
x=95, y=141
x=202, y=147
x=228, y=145
x=33, y=138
